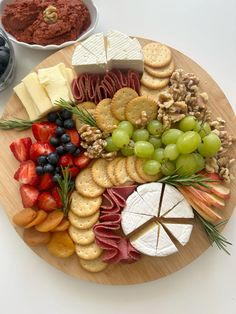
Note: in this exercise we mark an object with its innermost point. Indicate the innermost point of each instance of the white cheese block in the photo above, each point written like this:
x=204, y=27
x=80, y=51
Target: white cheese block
x=90, y=55
x=70, y=74
x=135, y=204
x=181, y=210
x=124, y=52
x=171, y=197
x=38, y=94
x=131, y=221
x=27, y=101
x=54, y=83
x=165, y=246
x=151, y=194
x=145, y=241
x=181, y=232
x=66, y=74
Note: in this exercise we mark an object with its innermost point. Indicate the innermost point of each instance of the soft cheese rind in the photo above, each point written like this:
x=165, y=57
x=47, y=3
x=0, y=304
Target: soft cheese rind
x=181, y=232
x=165, y=245
x=131, y=221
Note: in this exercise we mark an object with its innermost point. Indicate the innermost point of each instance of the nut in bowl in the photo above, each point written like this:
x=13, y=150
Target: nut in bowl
x=46, y=21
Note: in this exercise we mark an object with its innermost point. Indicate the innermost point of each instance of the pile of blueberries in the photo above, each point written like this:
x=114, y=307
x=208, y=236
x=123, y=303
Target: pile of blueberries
x=4, y=55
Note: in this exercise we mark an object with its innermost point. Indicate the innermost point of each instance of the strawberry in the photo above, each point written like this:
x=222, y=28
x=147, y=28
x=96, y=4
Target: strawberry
x=39, y=148
x=43, y=131
x=46, y=202
x=26, y=173
x=45, y=182
x=81, y=161
x=57, y=197
x=21, y=148
x=74, y=171
x=74, y=136
x=29, y=195
x=66, y=160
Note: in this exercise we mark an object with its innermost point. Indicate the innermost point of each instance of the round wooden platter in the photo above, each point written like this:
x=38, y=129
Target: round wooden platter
x=148, y=268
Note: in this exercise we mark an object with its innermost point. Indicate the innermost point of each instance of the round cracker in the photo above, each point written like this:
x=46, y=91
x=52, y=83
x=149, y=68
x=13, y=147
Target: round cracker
x=121, y=174
x=93, y=266
x=78, y=123
x=99, y=173
x=165, y=71
x=104, y=118
x=83, y=206
x=81, y=236
x=83, y=222
x=86, y=186
x=134, y=109
x=153, y=82
x=139, y=168
x=156, y=54
x=131, y=169
x=88, y=252
x=152, y=93
x=111, y=170
x=120, y=100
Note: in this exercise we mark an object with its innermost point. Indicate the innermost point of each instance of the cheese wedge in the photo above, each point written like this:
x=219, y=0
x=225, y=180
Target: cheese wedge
x=136, y=204
x=27, y=101
x=38, y=94
x=151, y=194
x=67, y=73
x=90, y=55
x=181, y=210
x=171, y=197
x=131, y=221
x=165, y=246
x=124, y=52
x=181, y=232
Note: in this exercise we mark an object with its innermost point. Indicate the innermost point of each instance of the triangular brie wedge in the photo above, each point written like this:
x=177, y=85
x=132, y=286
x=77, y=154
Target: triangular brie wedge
x=165, y=245
x=171, y=197
x=131, y=221
x=135, y=204
x=151, y=194
x=181, y=210
x=181, y=232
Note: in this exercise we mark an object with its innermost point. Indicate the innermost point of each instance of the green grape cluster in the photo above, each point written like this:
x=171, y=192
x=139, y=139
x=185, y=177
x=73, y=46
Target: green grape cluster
x=180, y=150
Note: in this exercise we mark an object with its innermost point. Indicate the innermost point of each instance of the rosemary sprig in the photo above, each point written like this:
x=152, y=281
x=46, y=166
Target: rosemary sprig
x=18, y=124
x=195, y=180
x=66, y=186
x=214, y=234
x=83, y=115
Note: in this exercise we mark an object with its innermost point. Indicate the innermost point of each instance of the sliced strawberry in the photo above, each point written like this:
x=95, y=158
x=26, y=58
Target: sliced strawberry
x=66, y=160
x=26, y=173
x=45, y=182
x=57, y=197
x=21, y=148
x=81, y=161
x=74, y=136
x=43, y=131
x=29, y=195
x=74, y=171
x=46, y=202
x=39, y=148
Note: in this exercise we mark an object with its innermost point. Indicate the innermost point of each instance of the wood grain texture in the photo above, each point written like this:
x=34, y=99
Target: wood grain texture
x=148, y=268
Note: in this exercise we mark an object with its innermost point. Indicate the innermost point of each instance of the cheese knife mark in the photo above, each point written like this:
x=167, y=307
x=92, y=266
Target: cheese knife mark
x=161, y=199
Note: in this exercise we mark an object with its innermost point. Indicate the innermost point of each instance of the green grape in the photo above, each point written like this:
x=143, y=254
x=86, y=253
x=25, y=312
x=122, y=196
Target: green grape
x=187, y=123
x=171, y=152
x=110, y=147
x=127, y=151
x=155, y=141
x=140, y=135
x=200, y=161
x=188, y=142
x=143, y=149
x=168, y=168
x=155, y=127
x=120, y=138
x=152, y=167
x=127, y=127
x=170, y=136
x=210, y=146
x=204, y=130
x=158, y=155
x=186, y=165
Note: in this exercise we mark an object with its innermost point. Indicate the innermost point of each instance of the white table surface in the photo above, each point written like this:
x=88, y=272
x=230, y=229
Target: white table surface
x=205, y=30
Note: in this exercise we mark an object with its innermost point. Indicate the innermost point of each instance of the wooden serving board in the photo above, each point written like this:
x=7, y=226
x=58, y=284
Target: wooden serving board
x=148, y=268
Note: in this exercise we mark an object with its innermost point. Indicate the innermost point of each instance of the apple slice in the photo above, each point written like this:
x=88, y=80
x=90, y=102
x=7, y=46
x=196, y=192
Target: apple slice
x=203, y=210
x=220, y=190
x=206, y=198
x=213, y=176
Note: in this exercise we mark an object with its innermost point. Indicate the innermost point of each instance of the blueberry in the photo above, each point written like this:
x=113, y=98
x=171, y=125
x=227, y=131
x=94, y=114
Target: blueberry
x=60, y=150
x=59, y=122
x=56, y=177
x=65, y=114
x=70, y=148
x=4, y=57
x=48, y=168
x=53, y=158
x=42, y=160
x=54, y=141
x=69, y=124
x=77, y=152
x=52, y=116
x=59, y=131
x=39, y=170
x=2, y=41
x=65, y=138
x=57, y=169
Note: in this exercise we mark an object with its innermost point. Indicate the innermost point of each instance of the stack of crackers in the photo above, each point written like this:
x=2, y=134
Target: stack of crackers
x=158, y=68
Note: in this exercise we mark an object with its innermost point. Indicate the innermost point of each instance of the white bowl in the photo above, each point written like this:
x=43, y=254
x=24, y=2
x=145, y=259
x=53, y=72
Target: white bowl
x=94, y=20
